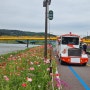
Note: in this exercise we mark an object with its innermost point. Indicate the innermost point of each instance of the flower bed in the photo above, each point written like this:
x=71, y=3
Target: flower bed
x=26, y=70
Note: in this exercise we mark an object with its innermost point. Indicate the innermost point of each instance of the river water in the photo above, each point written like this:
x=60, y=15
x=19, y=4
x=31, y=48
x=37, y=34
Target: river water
x=8, y=48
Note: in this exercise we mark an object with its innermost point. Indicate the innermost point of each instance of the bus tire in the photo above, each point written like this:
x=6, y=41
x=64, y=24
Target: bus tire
x=84, y=64
x=62, y=63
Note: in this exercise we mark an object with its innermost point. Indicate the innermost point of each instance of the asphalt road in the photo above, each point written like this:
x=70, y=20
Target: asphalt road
x=74, y=77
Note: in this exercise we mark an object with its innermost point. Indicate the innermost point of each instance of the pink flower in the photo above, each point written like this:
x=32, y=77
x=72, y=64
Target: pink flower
x=58, y=85
x=6, y=78
x=58, y=82
x=31, y=63
x=51, y=74
x=47, y=61
x=48, y=69
x=29, y=79
x=32, y=68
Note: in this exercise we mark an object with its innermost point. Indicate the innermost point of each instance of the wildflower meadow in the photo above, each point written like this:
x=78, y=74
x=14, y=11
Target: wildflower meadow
x=26, y=70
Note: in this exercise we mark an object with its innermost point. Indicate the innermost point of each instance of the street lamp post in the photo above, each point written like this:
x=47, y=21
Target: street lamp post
x=46, y=4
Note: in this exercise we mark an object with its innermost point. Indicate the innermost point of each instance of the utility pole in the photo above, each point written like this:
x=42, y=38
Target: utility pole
x=46, y=4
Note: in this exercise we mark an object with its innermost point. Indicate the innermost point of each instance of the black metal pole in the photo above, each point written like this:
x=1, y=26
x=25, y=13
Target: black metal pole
x=46, y=26
x=27, y=43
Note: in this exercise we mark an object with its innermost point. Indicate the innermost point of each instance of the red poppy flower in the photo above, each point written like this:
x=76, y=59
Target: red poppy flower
x=24, y=85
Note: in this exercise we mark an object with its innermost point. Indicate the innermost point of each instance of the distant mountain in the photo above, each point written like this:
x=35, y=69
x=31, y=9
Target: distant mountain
x=21, y=33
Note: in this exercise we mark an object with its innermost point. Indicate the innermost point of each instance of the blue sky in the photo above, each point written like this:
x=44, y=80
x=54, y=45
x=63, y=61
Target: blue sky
x=29, y=15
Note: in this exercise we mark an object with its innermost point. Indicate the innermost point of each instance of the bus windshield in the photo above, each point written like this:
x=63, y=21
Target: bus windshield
x=70, y=40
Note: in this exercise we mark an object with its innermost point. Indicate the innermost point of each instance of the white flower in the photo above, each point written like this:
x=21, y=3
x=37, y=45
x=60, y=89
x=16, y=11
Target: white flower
x=39, y=86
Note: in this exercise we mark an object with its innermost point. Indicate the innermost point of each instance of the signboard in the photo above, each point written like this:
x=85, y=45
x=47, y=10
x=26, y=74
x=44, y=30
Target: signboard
x=50, y=15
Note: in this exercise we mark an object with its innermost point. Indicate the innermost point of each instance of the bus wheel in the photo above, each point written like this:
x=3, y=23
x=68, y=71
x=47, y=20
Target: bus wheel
x=84, y=64
x=62, y=63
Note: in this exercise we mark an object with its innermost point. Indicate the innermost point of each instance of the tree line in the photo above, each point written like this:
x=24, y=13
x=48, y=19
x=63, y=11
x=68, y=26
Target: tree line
x=21, y=33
